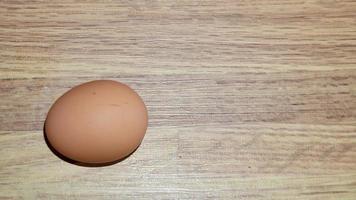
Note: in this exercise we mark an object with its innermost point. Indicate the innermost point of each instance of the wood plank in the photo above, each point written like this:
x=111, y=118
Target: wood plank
x=189, y=100
x=86, y=38
x=255, y=161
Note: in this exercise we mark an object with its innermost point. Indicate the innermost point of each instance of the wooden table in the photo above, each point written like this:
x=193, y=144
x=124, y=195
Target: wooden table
x=247, y=99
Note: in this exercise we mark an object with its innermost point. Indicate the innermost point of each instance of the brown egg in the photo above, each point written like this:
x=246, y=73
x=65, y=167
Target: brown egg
x=97, y=122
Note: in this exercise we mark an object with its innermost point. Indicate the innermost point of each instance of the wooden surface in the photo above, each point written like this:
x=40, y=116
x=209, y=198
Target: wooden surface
x=247, y=99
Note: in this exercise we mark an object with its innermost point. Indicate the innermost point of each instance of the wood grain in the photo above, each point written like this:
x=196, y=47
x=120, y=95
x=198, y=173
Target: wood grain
x=247, y=99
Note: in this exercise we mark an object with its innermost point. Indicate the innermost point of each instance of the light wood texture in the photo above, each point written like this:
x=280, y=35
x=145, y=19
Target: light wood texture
x=247, y=99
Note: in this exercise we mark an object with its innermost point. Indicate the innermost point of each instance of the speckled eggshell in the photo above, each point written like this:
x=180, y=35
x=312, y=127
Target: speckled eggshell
x=97, y=122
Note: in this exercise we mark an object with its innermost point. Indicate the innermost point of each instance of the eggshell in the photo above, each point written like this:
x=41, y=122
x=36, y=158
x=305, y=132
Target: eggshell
x=97, y=122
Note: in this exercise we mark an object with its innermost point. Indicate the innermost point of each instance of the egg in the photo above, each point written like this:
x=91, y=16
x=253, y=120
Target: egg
x=100, y=121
